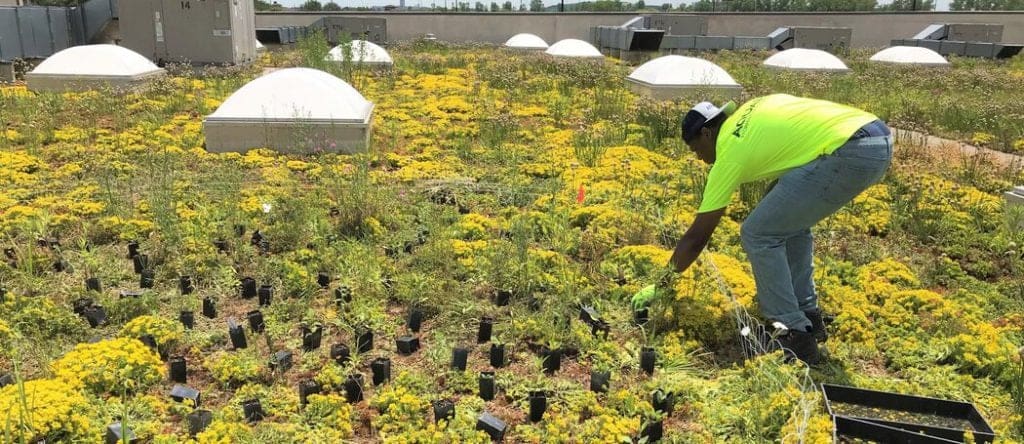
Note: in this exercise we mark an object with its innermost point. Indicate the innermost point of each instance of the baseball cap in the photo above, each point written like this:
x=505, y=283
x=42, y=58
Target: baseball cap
x=700, y=114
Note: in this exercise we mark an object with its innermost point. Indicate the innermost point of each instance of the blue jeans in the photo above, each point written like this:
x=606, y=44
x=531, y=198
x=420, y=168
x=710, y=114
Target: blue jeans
x=777, y=234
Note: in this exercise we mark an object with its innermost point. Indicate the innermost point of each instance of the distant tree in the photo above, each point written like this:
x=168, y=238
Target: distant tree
x=331, y=6
x=480, y=7
x=909, y=5
x=507, y=6
x=495, y=7
x=986, y=5
x=522, y=6
x=666, y=7
x=640, y=4
x=311, y=5
x=536, y=5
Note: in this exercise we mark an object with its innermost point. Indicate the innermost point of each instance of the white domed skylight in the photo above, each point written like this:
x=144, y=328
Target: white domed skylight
x=574, y=48
x=806, y=59
x=526, y=41
x=295, y=94
x=362, y=51
x=910, y=55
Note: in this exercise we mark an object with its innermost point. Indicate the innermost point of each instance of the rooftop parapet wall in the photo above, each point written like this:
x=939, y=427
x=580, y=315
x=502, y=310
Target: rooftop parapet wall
x=870, y=29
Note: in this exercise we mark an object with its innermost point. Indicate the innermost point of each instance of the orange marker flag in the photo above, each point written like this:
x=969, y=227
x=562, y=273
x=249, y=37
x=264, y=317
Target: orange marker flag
x=580, y=195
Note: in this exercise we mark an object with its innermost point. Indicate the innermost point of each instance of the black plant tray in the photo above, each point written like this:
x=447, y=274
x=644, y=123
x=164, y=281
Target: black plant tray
x=862, y=424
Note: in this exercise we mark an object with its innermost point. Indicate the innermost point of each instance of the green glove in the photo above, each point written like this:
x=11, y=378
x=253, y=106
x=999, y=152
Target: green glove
x=644, y=297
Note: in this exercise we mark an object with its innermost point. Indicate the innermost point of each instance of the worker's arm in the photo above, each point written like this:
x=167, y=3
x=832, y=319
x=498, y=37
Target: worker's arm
x=695, y=239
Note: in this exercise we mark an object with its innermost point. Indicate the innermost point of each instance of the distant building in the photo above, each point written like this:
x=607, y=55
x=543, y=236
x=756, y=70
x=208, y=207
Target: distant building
x=12, y=2
x=401, y=4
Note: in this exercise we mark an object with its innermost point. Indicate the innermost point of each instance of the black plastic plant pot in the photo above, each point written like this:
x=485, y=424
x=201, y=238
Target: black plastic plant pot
x=663, y=402
x=552, y=359
x=185, y=285
x=389, y=285
x=187, y=318
x=140, y=262
x=408, y=345
x=306, y=388
x=252, y=410
x=256, y=323
x=93, y=284
x=281, y=361
x=95, y=315
x=502, y=297
x=364, y=340
x=589, y=315
x=147, y=278
x=118, y=435
x=486, y=383
x=149, y=341
x=497, y=355
x=538, y=405
x=80, y=305
x=237, y=334
x=265, y=294
x=415, y=320
x=460, y=357
x=641, y=316
x=323, y=280
x=653, y=431
x=198, y=421
x=60, y=265
x=178, y=369
x=311, y=337
x=486, y=327
x=340, y=354
x=239, y=230
x=256, y=238
x=648, y=356
x=600, y=381
x=248, y=288
x=222, y=245
x=133, y=249
x=444, y=410
x=264, y=246
x=895, y=418
x=6, y=379
x=600, y=329
x=342, y=295
x=494, y=427
x=354, y=388
x=381, y=368
x=180, y=393
x=209, y=308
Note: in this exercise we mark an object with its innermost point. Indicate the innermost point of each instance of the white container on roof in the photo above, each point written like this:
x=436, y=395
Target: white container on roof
x=574, y=48
x=526, y=41
x=807, y=60
x=362, y=52
x=260, y=46
x=85, y=67
x=671, y=76
x=299, y=110
x=910, y=55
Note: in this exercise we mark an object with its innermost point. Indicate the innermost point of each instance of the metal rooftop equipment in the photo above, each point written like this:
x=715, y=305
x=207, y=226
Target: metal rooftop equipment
x=190, y=31
x=1015, y=196
x=831, y=39
x=963, y=39
x=634, y=35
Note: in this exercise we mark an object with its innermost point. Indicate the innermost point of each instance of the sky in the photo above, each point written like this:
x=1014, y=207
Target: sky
x=942, y=5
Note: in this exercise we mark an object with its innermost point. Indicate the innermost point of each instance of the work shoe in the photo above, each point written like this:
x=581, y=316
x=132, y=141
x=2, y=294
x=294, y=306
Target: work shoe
x=818, y=322
x=800, y=345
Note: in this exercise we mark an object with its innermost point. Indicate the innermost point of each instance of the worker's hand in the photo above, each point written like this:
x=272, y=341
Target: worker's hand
x=644, y=297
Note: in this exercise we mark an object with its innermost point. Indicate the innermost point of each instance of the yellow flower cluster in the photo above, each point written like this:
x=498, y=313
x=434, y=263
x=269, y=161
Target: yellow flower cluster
x=233, y=368
x=401, y=410
x=165, y=331
x=110, y=366
x=42, y=410
x=331, y=417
